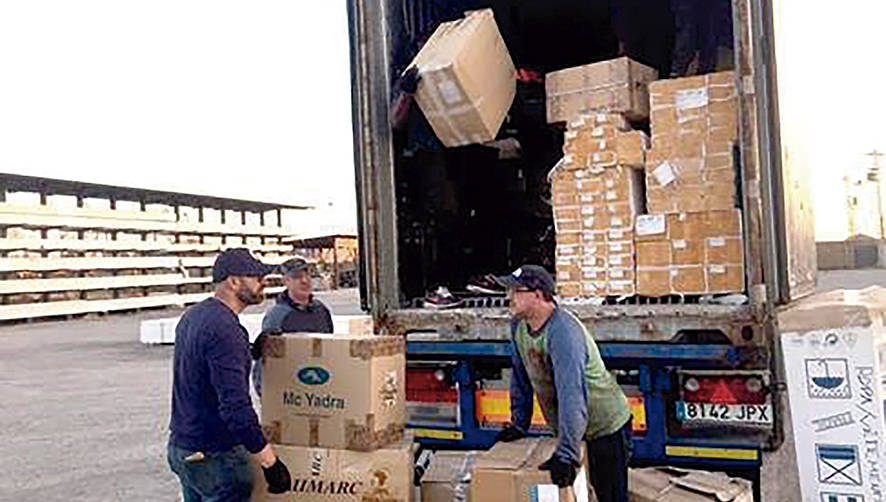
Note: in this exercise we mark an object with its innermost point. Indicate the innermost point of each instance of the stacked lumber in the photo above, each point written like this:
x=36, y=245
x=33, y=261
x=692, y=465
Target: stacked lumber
x=63, y=259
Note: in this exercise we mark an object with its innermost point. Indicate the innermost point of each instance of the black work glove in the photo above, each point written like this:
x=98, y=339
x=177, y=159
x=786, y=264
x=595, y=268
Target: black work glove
x=562, y=473
x=278, y=477
x=410, y=79
x=508, y=434
x=257, y=346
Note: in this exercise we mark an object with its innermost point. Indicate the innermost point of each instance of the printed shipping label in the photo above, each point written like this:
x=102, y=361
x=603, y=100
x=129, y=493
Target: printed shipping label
x=650, y=224
x=691, y=98
x=664, y=174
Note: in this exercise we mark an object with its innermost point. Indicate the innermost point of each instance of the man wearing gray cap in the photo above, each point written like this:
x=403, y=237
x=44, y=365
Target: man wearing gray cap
x=295, y=311
x=554, y=356
x=213, y=426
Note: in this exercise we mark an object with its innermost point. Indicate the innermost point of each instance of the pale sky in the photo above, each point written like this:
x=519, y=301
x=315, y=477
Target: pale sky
x=252, y=99
x=235, y=99
x=832, y=101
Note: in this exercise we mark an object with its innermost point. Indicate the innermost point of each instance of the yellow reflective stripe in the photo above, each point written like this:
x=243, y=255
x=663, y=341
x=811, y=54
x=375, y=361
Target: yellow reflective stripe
x=707, y=452
x=437, y=434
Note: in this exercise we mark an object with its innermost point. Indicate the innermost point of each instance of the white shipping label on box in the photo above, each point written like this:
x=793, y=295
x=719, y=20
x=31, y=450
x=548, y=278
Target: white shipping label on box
x=691, y=98
x=450, y=92
x=545, y=493
x=837, y=411
x=664, y=174
x=650, y=224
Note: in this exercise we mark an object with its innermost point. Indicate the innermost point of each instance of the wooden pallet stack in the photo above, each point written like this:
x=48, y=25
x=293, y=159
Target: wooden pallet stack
x=61, y=255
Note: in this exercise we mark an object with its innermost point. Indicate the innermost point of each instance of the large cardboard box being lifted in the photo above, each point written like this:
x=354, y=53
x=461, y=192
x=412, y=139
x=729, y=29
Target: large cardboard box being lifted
x=679, y=485
x=616, y=86
x=383, y=475
x=509, y=473
x=334, y=391
x=467, y=80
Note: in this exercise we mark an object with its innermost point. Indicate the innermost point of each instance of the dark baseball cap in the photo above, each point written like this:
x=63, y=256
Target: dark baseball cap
x=238, y=262
x=294, y=266
x=528, y=276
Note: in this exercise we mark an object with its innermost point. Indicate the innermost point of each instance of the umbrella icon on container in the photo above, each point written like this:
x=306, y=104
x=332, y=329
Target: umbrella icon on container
x=828, y=378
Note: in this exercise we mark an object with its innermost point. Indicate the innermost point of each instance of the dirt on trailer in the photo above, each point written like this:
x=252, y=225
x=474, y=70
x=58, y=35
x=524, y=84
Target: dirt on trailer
x=86, y=408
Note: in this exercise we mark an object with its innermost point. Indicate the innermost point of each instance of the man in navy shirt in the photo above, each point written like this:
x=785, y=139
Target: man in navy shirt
x=213, y=427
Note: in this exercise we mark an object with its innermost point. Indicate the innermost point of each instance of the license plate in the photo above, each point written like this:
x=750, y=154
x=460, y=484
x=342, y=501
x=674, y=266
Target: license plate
x=748, y=414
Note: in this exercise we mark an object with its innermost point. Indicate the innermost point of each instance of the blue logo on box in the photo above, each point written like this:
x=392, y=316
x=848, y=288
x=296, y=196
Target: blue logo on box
x=313, y=375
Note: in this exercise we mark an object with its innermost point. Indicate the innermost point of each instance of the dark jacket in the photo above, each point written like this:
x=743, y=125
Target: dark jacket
x=286, y=316
x=211, y=407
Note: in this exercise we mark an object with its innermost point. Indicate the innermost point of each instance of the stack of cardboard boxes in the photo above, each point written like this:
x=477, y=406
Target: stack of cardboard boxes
x=598, y=187
x=690, y=253
x=334, y=408
x=691, y=241
x=694, y=126
x=684, y=236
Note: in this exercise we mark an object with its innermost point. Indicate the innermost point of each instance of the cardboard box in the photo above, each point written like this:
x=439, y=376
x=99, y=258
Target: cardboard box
x=653, y=254
x=668, y=484
x=619, y=85
x=449, y=477
x=687, y=251
x=631, y=148
x=384, y=475
x=688, y=280
x=653, y=281
x=724, y=250
x=724, y=278
x=467, y=80
x=509, y=473
x=334, y=391
x=569, y=289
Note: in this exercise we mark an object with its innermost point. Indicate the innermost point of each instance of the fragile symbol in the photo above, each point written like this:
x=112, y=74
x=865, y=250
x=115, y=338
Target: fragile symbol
x=838, y=464
x=841, y=497
x=828, y=379
x=833, y=421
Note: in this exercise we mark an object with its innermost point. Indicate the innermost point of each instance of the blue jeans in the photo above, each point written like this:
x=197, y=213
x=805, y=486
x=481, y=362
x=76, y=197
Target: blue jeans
x=219, y=477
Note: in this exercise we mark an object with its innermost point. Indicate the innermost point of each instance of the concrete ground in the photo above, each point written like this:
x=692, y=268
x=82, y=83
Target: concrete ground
x=85, y=408
x=829, y=280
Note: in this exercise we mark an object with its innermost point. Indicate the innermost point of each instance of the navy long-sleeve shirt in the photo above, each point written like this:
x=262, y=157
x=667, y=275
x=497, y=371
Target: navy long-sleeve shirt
x=211, y=407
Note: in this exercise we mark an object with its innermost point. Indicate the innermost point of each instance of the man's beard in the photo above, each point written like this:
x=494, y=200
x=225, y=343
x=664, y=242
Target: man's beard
x=249, y=297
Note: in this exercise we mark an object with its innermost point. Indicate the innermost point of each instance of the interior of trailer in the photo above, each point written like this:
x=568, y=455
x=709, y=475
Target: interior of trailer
x=468, y=211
